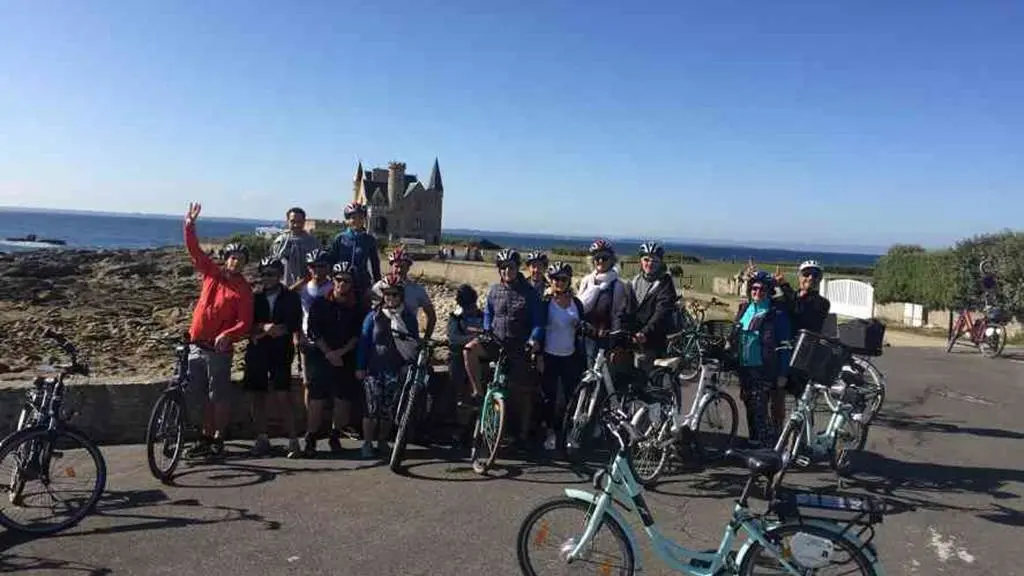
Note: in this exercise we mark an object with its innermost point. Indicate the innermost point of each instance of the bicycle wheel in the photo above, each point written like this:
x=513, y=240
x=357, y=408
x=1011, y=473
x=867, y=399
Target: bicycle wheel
x=874, y=391
x=649, y=455
x=788, y=445
x=958, y=326
x=488, y=433
x=807, y=547
x=30, y=454
x=577, y=430
x=687, y=348
x=164, y=435
x=536, y=536
x=717, y=423
x=992, y=345
x=849, y=438
x=408, y=407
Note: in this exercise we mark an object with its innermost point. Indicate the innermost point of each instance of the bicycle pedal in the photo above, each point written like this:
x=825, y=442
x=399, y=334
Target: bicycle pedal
x=802, y=461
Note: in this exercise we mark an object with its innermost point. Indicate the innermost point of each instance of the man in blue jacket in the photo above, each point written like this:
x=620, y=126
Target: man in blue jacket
x=513, y=315
x=359, y=248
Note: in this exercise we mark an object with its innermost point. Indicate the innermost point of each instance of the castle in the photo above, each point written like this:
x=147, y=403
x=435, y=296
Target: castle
x=399, y=205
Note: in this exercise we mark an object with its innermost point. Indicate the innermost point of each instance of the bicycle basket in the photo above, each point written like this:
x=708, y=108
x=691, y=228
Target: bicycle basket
x=718, y=329
x=818, y=358
x=996, y=315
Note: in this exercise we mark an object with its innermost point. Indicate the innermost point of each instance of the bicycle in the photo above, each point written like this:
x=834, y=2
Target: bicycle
x=410, y=410
x=489, y=429
x=667, y=430
x=822, y=359
x=988, y=332
x=43, y=438
x=805, y=535
x=168, y=419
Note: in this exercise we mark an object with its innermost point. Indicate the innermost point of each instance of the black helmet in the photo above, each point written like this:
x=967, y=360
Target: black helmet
x=652, y=249
x=507, y=256
x=271, y=264
x=317, y=257
x=343, y=269
x=559, y=269
x=235, y=249
x=536, y=256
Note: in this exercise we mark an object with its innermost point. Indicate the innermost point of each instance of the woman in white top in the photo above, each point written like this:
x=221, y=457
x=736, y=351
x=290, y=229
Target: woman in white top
x=316, y=283
x=563, y=353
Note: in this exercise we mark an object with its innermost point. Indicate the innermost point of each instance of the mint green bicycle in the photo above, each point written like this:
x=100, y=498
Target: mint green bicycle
x=490, y=424
x=811, y=530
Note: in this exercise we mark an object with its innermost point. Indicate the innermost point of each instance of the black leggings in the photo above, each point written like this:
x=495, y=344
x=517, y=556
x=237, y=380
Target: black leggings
x=560, y=373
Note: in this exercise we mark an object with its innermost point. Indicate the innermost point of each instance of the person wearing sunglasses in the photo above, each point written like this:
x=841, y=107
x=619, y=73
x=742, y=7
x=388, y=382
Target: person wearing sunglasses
x=537, y=263
x=761, y=327
x=335, y=324
x=653, y=301
x=808, y=310
x=562, y=363
x=277, y=317
x=604, y=296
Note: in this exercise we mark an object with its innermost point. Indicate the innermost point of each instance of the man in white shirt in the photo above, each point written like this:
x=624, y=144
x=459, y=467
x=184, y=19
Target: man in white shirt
x=291, y=246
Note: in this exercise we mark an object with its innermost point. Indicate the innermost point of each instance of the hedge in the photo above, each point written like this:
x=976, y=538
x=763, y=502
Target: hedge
x=951, y=278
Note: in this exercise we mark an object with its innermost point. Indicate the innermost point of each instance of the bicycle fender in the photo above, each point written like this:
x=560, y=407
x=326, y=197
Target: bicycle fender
x=591, y=498
x=870, y=552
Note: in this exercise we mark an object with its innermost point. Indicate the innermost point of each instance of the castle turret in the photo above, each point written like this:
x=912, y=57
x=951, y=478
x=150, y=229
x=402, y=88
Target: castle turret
x=396, y=182
x=357, y=184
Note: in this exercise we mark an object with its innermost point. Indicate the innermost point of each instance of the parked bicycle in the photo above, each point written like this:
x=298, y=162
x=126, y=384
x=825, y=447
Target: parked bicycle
x=169, y=421
x=987, y=331
x=489, y=430
x=413, y=406
x=707, y=427
x=44, y=449
x=800, y=531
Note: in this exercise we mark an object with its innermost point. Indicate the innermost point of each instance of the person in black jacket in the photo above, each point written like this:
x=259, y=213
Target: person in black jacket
x=277, y=316
x=807, y=310
x=654, y=299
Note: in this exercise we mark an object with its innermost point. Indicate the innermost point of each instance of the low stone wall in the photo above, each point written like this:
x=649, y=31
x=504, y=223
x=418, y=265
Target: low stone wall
x=118, y=412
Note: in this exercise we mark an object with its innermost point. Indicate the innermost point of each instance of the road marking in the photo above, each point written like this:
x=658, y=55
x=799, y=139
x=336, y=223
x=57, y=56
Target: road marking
x=293, y=559
x=953, y=395
x=944, y=549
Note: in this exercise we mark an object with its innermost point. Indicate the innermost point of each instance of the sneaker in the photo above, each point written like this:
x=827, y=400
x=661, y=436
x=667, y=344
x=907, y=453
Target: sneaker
x=217, y=447
x=384, y=450
x=294, y=450
x=550, y=441
x=335, y=442
x=367, y=450
x=310, y=450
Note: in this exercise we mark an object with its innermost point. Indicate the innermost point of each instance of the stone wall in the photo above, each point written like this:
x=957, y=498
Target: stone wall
x=118, y=413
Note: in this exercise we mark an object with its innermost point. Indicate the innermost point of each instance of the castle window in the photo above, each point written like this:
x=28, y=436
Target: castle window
x=419, y=224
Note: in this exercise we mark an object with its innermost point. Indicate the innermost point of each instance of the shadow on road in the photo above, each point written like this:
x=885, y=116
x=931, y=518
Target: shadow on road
x=28, y=564
x=238, y=473
x=931, y=423
x=454, y=466
x=930, y=486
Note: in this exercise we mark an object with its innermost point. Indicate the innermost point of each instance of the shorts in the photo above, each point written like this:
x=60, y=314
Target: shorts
x=209, y=374
x=268, y=367
x=325, y=380
x=382, y=392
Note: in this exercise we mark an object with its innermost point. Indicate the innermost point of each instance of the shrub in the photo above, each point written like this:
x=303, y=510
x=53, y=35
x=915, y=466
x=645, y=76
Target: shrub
x=911, y=274
x=1006, y=252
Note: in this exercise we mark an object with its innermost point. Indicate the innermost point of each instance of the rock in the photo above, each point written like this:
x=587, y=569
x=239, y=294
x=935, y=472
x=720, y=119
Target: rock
x=4, y=368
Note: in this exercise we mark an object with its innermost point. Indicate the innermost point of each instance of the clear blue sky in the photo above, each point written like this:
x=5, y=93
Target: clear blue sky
x=848, y=122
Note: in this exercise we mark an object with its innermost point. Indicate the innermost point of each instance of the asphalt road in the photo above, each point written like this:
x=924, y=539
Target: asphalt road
x=946, y=453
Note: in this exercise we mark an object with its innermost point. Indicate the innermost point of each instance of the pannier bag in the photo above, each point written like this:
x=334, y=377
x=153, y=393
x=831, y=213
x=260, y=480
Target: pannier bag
x=996, y=315
x=864, y=337
x=818, y=358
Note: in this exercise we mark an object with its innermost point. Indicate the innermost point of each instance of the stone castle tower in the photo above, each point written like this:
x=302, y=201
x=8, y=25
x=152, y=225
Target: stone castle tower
x=400, y=206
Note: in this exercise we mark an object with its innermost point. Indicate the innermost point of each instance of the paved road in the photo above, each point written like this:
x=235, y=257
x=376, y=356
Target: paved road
x=947, y=453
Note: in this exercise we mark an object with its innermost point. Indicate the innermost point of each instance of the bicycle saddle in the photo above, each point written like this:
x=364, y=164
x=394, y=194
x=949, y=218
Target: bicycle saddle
x=763, y=462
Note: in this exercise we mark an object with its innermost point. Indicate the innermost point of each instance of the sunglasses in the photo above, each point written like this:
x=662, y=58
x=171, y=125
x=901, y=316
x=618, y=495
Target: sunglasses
x=808, y=274
x=392, y=295
x=561, y=279
x=342, y=279
x=600, y=258
x=757, y=288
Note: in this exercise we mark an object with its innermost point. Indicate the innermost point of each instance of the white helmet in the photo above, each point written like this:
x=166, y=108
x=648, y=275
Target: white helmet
x=811, y=265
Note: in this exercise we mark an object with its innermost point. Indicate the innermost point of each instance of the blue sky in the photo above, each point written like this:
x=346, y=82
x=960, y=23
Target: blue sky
x=850, y=123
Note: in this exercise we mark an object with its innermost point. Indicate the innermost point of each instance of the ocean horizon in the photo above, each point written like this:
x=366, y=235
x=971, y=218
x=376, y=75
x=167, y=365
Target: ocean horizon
x=106, y=230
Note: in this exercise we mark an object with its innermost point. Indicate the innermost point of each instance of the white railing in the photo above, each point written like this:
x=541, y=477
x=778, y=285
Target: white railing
x=851, y=298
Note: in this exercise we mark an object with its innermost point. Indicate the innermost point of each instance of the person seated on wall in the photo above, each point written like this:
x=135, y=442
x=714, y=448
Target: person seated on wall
x=465, y=323
x=807, y=309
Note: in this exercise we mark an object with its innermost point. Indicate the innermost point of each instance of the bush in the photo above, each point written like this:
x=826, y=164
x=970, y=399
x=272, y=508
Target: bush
x=911, y=274
x=1006, y=252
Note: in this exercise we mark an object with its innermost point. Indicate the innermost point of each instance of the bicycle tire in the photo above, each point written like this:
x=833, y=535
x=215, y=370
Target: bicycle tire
x=689, y=348
x=523, y=539
x=777, y=533
x=788, y=446
x=576, y=432
x=954, y=335
x=659, y=439
x=988, y=352
x=497, y=405
x=877, y=386
x=32, y=434
x=404, y=426
x=839, y=464
x=156, y=419
x=734, y=415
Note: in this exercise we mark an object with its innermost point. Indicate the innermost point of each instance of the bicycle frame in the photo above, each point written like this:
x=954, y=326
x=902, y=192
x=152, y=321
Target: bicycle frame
x=598, y=376
x=619, y=486
x=819, y=444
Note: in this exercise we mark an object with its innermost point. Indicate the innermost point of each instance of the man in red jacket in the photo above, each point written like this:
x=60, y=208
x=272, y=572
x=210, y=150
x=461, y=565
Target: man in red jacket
x=222, y=316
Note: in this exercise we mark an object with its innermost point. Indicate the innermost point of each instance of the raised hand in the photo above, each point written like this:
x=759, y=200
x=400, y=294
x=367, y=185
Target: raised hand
x=780, y=278
x=194, y=208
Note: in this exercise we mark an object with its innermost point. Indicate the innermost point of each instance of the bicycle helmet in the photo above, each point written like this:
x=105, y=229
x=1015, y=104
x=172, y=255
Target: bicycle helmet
x=652, y=249
x=392, y=284
x=813, y=266
x=602, y=246
x=536, y=256
x=235, y=249
x=559, y=269
x=317, y=257
x=354, y=209
x=399, y=255
x=271, y=264
x=343, y=269
x=465, y=296
x=507, y=256
x=765, y=279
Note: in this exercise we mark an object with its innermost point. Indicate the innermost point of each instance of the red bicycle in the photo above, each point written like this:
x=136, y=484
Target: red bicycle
x=987, y=331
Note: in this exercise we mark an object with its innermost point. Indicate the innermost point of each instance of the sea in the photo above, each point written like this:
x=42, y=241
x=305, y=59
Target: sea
x=87, y=230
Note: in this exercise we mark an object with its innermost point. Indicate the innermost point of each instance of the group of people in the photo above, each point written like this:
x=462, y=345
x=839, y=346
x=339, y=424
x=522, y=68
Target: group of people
x=336, y=311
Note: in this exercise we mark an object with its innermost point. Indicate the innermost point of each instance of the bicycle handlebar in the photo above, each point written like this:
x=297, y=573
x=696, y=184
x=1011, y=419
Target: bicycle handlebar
x=76, y=367
x=421, y=340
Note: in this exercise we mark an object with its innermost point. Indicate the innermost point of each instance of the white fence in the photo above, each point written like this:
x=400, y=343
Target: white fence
x=850, y=297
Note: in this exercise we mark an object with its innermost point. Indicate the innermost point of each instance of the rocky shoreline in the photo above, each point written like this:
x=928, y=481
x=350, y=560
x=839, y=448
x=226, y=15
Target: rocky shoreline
x=120, y=307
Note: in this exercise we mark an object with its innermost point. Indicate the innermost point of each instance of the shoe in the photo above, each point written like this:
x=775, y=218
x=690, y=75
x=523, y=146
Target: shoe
x=550, y=441
x=261, y=447
x=200, y=449
x=384, y=450
x=217, y=447
x=334, y=442
x=310, y=449
x=294, y=450
x=367, y=451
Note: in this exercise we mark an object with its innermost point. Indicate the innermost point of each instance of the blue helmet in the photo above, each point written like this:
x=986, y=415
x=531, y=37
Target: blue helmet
x=763, y=278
